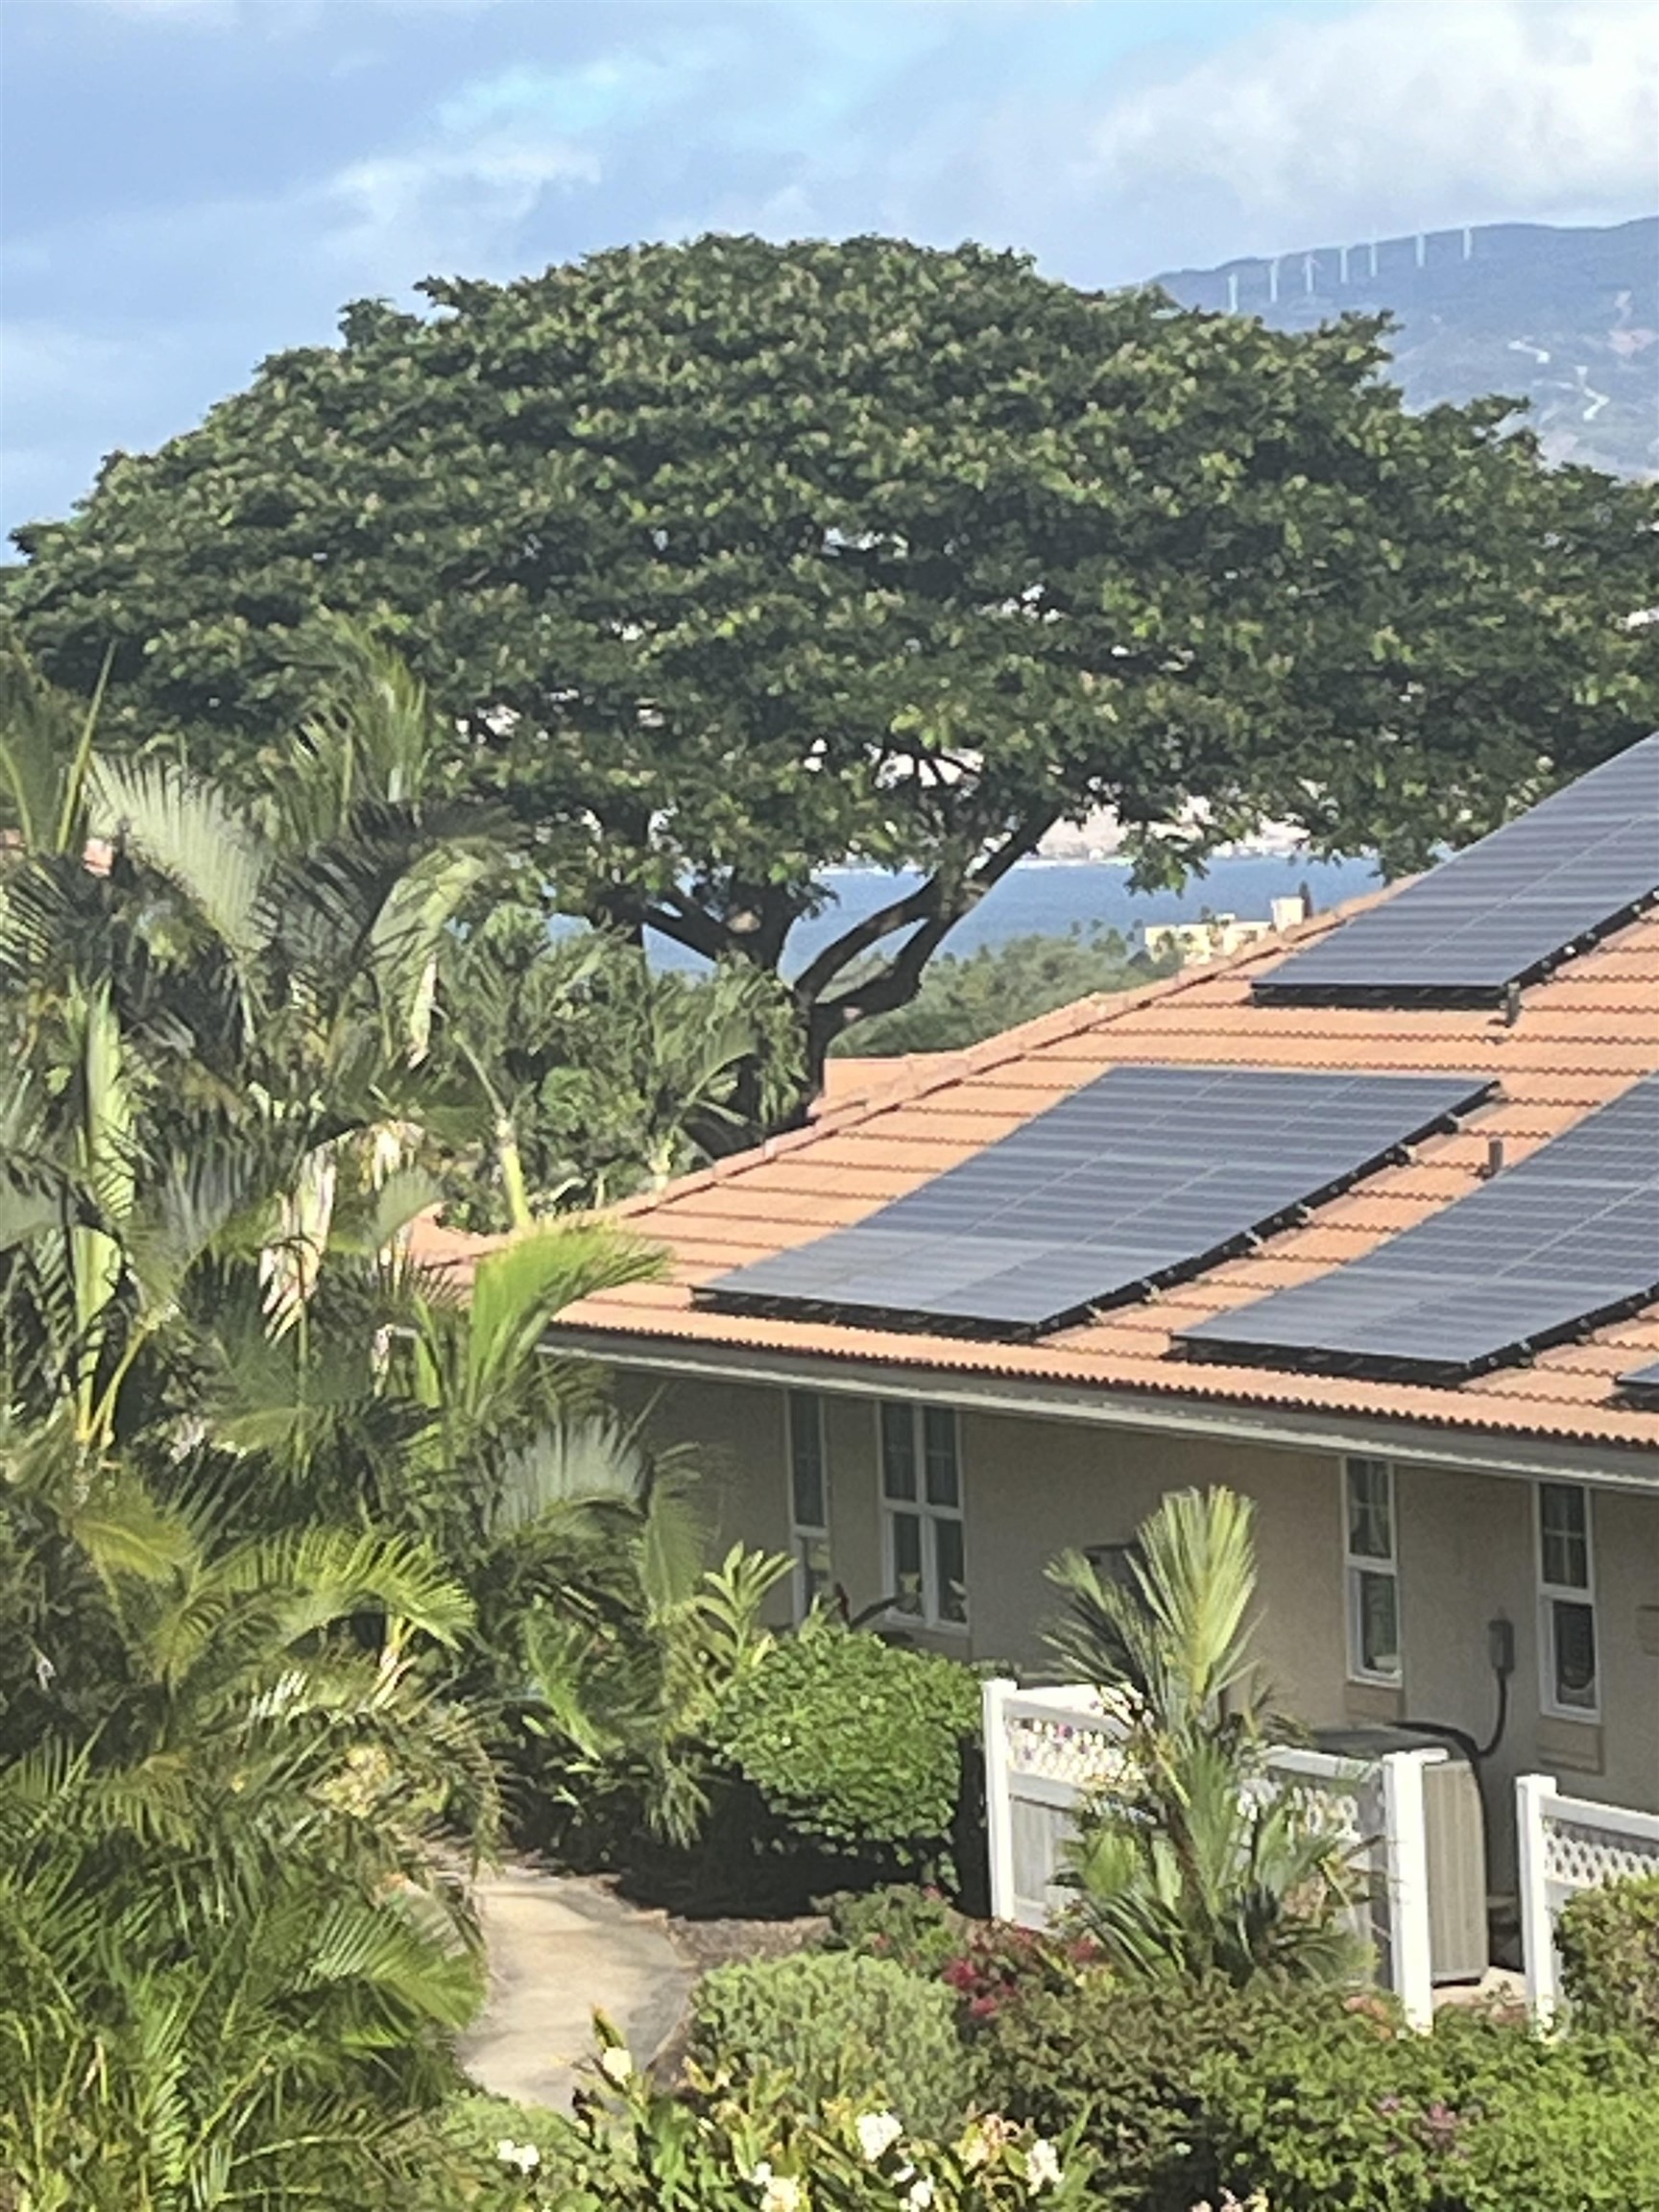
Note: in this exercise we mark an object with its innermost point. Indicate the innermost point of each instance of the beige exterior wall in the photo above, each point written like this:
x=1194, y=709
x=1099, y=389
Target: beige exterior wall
x=1466, y=1550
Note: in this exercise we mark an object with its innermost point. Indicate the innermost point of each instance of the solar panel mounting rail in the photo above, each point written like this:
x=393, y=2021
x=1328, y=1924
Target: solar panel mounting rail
x=1143, y=1177
x=1503, y=912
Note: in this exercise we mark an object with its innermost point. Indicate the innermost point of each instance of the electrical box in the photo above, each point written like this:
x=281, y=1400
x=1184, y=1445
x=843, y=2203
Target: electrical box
x=1458, y=1942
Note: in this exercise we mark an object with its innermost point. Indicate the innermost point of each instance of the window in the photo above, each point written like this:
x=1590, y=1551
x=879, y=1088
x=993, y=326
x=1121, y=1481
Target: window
x=808, y=1501
x=922, y=1506
x=1567, y=1601
x=1373, y=1572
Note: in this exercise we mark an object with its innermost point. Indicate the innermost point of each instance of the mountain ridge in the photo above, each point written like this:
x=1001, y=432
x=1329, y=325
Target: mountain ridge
x=1566, y=317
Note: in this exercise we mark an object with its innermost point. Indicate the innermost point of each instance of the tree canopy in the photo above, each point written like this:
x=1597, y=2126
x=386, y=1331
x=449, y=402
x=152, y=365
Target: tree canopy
x=732, y=561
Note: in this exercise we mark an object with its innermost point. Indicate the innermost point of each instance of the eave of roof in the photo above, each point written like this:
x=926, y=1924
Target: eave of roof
x=1581, y=1037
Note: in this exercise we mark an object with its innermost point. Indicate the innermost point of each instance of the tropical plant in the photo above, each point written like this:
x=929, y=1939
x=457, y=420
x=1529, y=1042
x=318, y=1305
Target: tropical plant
x=1189, y=1861
x=717, y=2144
x=231, y=1956
x=596, y=1073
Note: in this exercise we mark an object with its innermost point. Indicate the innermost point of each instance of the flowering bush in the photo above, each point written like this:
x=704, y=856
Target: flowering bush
x=1000, y=1965
x=715, y=2146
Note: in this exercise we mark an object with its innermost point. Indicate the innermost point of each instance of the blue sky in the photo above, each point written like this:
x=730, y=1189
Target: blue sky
x=188, y=186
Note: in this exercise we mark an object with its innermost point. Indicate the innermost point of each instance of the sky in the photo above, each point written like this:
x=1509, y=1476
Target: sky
x=187, y=186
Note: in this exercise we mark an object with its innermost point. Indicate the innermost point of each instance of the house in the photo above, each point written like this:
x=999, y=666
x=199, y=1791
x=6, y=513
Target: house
x=1458, y=1525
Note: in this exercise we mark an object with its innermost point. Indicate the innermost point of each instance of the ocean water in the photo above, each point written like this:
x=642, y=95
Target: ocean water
x=1050, y=897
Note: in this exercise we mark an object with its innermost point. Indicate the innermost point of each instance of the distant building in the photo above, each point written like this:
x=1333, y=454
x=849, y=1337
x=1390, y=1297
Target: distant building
x=1219, y=936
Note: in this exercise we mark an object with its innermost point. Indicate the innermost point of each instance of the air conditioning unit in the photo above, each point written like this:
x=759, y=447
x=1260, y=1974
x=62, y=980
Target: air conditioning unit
x=1459, y=1946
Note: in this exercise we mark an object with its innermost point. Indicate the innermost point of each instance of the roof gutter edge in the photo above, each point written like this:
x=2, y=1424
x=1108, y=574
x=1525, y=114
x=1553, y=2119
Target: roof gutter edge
x=1610, y=1466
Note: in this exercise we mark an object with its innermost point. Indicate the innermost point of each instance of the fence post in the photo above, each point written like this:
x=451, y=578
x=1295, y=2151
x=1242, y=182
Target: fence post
x=1405, y=1870
x=1537, y=1932
x=998, y=1797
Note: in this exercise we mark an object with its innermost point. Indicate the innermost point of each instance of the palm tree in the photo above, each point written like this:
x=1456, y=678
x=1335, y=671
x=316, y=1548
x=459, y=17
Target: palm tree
x=1189, y=1861
x=229, y=1955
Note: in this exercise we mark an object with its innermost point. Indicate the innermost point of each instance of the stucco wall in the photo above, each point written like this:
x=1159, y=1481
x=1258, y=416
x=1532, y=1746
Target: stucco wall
x=1466, y=1555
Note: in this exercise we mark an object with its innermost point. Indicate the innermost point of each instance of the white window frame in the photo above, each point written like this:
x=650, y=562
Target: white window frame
x=1356, y=1564
x=805, y=1535
x=928, y=1615
x=1550, y=1593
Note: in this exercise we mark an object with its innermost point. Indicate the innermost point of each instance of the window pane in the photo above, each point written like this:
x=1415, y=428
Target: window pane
x=1575, y=1641
x=1375, y=1601
x=806, y=1462
x=812, y=1555
x=1564, y=1520
x=898, y=1451
x=949, y=1572
x=906, y=1561
x=1370, y=1515
x=939, y=1439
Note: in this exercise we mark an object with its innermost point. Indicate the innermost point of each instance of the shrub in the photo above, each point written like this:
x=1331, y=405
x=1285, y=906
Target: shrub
x=842, y=2025
x=855, y=1744
x=1609, y=1943
x=917, y=1928
x=1063, y=2044
x=1481, y=2116
x=1000, y=1965
x=716, y=2146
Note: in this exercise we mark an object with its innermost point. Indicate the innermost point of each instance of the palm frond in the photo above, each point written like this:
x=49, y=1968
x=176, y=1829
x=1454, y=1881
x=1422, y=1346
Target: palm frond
x=189, y=834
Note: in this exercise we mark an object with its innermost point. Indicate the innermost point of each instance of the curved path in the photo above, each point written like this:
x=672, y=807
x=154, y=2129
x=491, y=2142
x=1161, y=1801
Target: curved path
x=562, y=1946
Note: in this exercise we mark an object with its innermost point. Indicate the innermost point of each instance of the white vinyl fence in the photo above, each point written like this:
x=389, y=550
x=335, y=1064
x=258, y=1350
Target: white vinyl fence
x=1568, y=1844
x=1046, y=1749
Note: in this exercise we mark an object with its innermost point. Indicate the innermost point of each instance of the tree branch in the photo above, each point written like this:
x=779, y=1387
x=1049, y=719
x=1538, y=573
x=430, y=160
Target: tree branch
x=927, y=905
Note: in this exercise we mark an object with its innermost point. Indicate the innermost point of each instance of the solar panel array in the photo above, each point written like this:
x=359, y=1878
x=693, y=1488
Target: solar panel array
x=1643, y=1382
x=1142, y=1176
x=1566, y=1240
x=1503, y=913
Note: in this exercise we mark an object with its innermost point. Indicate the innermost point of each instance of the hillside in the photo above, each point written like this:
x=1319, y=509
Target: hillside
x=1567, y=319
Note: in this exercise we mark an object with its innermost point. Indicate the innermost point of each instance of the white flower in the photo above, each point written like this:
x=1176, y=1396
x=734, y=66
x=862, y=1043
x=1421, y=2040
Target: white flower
x=781, y=2193
x=525, y=2155
x=919, y=2196
x=616, y=2064
x=1042, y=2167
x=878, y=2133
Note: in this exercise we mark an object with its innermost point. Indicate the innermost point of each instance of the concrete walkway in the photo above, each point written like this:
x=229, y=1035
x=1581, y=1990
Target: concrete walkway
x=562, y=1946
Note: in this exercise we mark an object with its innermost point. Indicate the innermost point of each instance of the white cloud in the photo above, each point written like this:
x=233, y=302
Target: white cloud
x=1396, y=116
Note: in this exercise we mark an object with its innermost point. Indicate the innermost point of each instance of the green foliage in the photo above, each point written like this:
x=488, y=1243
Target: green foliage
x=1185, y=1864
x=840, y=2024
x=230, y=1964
x=1126, y=2060
x=1608, y=1939
x=965, y=996
x=720, y=2145
x=1478, y=2117
x=918, y=1927
x=727, y=562
x=589, y=1073
x=854, y=1743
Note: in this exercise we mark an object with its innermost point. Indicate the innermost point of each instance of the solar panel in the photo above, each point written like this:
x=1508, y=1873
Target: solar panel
x=1561, y=1243
x=1146, y=1174
x=1643, y=1382
x=1503, y=913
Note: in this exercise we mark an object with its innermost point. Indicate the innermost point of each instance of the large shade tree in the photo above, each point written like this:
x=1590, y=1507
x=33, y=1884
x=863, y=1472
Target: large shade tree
x=733, y=561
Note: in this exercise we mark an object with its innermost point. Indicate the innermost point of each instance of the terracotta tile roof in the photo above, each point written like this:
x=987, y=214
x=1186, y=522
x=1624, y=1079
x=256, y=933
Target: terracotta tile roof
x=1582, y=1035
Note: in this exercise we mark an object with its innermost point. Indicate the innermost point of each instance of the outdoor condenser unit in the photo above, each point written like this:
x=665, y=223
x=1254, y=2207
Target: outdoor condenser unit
x=1458, y=1944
